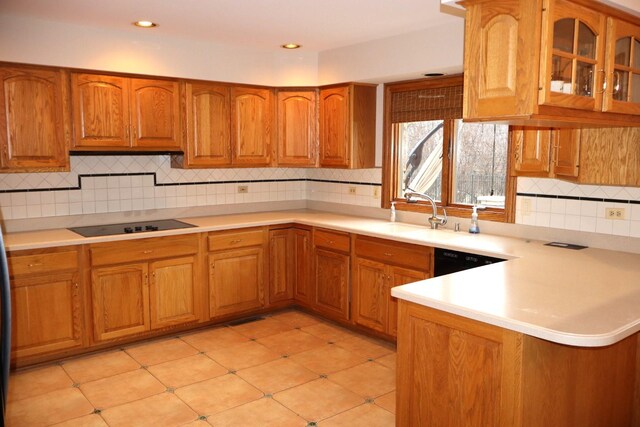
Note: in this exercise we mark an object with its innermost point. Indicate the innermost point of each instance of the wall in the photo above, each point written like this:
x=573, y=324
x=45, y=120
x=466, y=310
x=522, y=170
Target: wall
x=110, y=184
x=563, y=205
x=405, y=57
x=52, y=43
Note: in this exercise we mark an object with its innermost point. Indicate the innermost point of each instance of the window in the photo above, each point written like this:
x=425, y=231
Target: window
x=429, y=149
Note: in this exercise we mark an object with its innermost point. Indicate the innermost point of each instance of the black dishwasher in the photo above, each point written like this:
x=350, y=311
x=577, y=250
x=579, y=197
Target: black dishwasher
x=447, y=261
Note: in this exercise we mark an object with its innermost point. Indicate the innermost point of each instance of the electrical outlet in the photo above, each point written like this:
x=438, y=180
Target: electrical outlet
x=376, y=192
x=352, y=191
x=614, y=213
x=243, y=188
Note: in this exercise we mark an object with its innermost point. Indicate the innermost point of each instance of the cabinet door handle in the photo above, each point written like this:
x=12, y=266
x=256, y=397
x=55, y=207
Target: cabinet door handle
x=388, y=254
x=35, y=264
x=148, y=251
x=235, y=241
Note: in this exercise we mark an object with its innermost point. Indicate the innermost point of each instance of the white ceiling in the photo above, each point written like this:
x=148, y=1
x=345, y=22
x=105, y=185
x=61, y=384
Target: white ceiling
x=316, y=24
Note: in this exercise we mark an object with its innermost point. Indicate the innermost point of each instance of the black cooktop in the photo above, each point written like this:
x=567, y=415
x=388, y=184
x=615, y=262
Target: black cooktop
x=130, y=227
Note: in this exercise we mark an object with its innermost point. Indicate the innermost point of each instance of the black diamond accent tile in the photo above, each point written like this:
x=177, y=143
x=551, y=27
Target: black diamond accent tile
x=97, y=411
x=170, y=389
x=202, y=417
x=312, y=424
x=368, y=400
x=76, y=385
x=268, y=396
x=324, y=376
x=232, y=372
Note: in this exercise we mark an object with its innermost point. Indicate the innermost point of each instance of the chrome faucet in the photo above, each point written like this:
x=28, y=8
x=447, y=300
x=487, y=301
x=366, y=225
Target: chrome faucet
x=434, y=220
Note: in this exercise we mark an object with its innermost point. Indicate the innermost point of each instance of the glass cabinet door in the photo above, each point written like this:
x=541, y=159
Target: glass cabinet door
x=571, y=74
x=623, y=68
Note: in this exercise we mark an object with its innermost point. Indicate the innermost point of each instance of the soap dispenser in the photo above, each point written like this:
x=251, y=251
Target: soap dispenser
x=392, y=214
x=474, y=228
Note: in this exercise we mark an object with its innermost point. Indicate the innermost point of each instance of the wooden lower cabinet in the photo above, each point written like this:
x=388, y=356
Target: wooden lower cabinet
x=158, y=289
x=281, y=268
x=47, y=302
x=331, y=283
x=380, y=265
x=456, y=371
x=303, y=285
x=172, y=292
x=237, y=271
x=47, y=315
x=120, y=296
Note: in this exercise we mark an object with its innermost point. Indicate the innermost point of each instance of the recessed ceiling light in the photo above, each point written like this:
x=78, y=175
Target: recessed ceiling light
x=291, y=46
x=145, y=24
x=433, y=74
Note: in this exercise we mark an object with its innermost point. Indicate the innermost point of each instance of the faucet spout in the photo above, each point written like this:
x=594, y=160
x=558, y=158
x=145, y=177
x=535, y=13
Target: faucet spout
x=434, y=220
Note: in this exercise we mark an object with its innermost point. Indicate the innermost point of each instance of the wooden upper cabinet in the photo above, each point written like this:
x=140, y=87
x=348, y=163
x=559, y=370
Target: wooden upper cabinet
x=347, y=126
x=115, y=113
x=208, y=125
x=545, y=152
x=155, y=113
x=500, y=46
x=531, y=151
x=549, y=62
x=572, y=57
x=251, y=125
x=101, y=110
x=297, y=128
x=34, y=127
x=622, y=94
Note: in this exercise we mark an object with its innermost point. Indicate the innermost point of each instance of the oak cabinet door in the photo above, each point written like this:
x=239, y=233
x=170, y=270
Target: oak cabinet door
x=303, y=290
x=120, y=297
x=172, y=292
x=335, y=131
x=251, y=125
x=47, y=315
x=34, y=125
x=399, y=276
x=208, y=125
x=297, y=128
x=155, y=113
x=370, y=300
x=281, y=273
x=566, y=152
x=531, y=151
x=332, y=283
x=622, y=94
x=100, y=110
x=236, y=281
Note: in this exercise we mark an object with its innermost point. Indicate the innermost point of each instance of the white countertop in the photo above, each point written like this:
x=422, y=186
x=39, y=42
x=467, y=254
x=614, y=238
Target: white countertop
x=587, y=297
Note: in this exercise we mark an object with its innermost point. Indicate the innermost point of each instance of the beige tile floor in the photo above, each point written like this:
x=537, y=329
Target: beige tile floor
x=289, y=369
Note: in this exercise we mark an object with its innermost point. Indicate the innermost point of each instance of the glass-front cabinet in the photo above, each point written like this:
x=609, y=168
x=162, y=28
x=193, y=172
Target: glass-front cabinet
x=572, y=73
x=623, y=68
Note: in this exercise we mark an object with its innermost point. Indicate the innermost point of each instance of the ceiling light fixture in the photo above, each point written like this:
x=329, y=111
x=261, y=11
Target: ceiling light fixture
x=145, y=24
x=291, y=46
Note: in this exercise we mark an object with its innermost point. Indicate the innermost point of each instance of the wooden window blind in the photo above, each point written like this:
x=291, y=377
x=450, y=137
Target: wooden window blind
x=435, y=103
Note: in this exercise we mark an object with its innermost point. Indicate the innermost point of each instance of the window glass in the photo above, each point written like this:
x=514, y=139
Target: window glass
x=480, y=164
x=420, y=157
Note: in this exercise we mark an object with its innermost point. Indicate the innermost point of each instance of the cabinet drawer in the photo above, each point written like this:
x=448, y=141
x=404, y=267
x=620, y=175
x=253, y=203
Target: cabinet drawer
x=236, y=239
x=402, y=254
x=51, y=262
x=332, y=240
x=143, y=249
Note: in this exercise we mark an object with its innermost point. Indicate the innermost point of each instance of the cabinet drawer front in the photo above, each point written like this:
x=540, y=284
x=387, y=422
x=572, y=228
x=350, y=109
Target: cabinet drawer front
x=237, y=239
x=53, y=262
x=412, y=256
x=332, y=240
x=142, y=250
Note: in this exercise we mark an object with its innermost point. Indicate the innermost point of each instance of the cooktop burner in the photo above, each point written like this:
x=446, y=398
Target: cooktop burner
x=130, y=227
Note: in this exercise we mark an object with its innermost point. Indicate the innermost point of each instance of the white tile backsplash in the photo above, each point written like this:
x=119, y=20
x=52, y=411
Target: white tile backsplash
x=562, y=211
x=121, y=193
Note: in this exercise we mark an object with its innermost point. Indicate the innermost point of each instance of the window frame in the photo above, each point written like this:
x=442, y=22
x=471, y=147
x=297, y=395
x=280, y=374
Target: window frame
x=390, y=152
